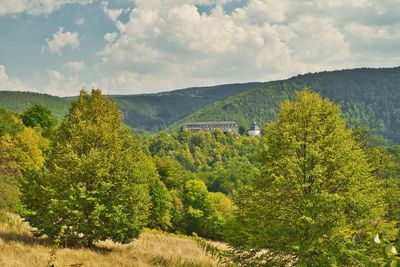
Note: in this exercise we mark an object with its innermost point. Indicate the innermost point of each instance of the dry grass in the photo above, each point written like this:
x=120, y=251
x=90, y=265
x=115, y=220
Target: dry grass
x=19, y=248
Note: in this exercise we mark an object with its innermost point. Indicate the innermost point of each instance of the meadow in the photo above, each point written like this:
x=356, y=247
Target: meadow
x=19, y=248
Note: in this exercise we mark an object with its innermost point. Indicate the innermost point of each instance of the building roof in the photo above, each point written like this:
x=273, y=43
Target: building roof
x=210, y=123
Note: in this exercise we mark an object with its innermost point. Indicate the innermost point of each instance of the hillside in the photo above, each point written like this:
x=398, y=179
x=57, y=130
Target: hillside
x=368, y=96
x=18, y=248
x=19, y=101
x=155, y=112
x=148, y=112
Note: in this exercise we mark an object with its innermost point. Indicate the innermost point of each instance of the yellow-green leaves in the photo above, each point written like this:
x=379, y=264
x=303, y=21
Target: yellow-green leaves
x=95, y=180
x=315, y=184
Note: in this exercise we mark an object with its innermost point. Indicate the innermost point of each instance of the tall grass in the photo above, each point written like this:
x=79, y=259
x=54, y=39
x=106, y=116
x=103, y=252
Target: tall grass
x=18, y=247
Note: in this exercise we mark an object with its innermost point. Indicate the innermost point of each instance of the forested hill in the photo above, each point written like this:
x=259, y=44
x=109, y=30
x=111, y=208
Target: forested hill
x=19, y=101
x=368, y=96
x=155, y=112
x=149, y=112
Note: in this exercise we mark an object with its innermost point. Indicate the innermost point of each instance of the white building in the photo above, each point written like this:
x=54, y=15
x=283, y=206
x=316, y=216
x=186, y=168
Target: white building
x=225, y=126
x=254, y=130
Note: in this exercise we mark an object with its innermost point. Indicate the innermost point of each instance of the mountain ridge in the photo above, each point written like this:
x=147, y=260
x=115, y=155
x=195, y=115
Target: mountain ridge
x=369, y=96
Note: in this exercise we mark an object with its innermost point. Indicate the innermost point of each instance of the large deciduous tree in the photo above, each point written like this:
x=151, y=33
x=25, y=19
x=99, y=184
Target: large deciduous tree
x=95, y=182
x=315, y=200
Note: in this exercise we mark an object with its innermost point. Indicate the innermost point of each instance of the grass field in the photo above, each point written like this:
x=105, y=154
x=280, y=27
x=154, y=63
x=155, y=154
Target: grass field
x=19, y=248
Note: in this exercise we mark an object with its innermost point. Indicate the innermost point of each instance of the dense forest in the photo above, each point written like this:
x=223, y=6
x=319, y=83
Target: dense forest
x=310, y=192
x=19, y=101
x=368, y=97
x=147, y=112
x=155, y=112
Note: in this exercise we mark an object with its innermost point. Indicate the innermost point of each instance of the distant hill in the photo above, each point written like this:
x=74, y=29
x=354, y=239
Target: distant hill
x=155, y=112
x=368, y=96
x=148, y=112
x=19, y=101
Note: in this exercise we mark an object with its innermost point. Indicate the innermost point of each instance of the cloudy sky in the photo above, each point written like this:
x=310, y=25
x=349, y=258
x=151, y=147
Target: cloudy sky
x=140, y=46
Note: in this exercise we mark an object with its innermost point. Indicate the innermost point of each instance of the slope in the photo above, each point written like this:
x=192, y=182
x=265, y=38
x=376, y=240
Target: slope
x=155, y=112
x=18, y=247
x=368, y=97
x=19, y=101
x=148, y=112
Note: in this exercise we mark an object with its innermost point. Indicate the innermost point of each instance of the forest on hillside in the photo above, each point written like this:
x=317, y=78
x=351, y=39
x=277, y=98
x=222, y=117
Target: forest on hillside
x=310, y=192
x=368, y=97
x=144, y=113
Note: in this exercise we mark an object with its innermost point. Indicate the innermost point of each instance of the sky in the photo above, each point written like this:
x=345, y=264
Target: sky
x=59, y=47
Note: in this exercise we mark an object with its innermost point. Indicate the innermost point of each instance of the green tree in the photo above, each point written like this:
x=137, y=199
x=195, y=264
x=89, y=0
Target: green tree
x=171, y=172
x=39, y=115
x=9, y=123
x=95, y=182
x=221, y=211
x=21, y=150
x=160, y=212
x=197, y=207
x=177, y=213
x=315, y=199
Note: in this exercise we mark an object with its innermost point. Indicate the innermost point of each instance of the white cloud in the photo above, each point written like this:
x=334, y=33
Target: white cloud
x=125, y=82
x=61, y=39
x=110, y=36
x=62, y=85
x=374, y=40
x=261, y=40
x=167, y=44
x=211, y=48
x=8, y=83
x=35, y=7
x=369, y=32
x=113, y=14
x=264, y=11
x=75, y=65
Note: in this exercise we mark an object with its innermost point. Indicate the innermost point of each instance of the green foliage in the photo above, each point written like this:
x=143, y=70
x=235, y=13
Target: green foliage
x=221, y=211
x=197, y=207
x=160, y=212
x=21, y=149
x=95, y=181
x=368, y=97
x=315, y=197
x=227, y=176
x=385, y=166
x=9, y=123
x=191, y=165
x=171, y=172
x=177, y=213
x=39, y=115
x=223, y=161
x=20, y=101
x=155, y=112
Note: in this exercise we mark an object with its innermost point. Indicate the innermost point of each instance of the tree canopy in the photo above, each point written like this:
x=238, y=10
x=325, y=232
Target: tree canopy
x=95, y=183
x=315, y=198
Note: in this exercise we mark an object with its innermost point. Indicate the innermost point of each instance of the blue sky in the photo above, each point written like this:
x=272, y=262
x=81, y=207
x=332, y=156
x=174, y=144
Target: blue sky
x=141, y=46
